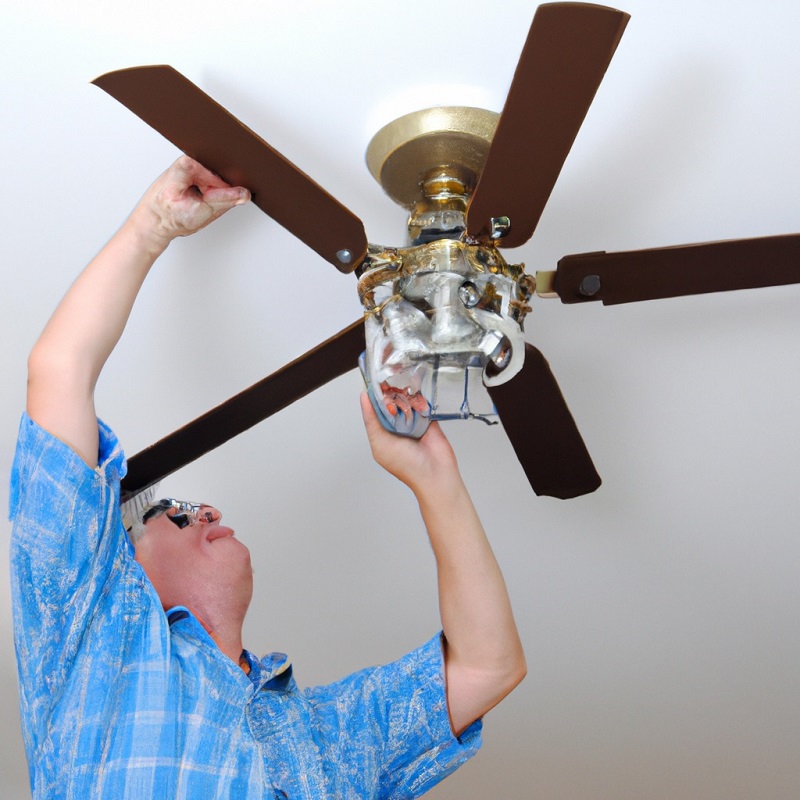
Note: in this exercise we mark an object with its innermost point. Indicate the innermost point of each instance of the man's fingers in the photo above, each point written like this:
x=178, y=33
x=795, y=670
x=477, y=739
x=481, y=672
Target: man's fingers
x=189, y=174
x=371, y=422
x=226, y=197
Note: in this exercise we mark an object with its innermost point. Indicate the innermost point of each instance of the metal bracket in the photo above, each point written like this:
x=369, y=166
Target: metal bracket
x=546, y=284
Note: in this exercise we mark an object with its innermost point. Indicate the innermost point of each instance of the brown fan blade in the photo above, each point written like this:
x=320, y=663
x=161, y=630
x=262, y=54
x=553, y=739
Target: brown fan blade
x=675, y=271
x=332, y=358
x=542, y=431
x=565, y=57
x=204, y=130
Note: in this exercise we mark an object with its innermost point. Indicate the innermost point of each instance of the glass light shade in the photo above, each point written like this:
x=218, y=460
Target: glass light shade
x=437, y=316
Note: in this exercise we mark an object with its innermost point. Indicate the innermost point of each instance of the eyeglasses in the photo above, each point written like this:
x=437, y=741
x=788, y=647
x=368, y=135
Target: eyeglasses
x=186, y=513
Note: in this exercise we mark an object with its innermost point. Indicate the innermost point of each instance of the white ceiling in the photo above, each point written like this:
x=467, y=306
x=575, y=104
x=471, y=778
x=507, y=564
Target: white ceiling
x=659, y=615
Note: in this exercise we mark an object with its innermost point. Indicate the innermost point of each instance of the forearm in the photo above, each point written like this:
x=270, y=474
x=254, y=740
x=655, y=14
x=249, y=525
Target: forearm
x=90, y=319
x=66, y=361
x=484, y=657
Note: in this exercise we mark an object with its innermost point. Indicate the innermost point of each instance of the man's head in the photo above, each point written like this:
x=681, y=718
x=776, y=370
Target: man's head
x=192, y=559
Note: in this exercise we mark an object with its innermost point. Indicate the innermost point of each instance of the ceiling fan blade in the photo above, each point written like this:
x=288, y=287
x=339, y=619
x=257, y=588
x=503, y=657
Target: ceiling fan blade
x=542, y=431
x=327, y=361
x=565, y=57
x=653, y=274
x=204, y=130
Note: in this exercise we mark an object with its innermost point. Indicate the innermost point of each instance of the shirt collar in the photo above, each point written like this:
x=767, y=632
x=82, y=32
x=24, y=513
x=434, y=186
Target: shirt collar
x=273, y=671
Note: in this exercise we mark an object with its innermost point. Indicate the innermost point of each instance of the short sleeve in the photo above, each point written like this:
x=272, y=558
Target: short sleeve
x=392, y=725
x=65, y=540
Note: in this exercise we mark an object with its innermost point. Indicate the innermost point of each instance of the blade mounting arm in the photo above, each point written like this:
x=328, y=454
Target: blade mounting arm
x=653, y=274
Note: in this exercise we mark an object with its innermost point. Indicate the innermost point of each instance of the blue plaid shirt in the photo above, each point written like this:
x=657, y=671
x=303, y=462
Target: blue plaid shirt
x=120, y=700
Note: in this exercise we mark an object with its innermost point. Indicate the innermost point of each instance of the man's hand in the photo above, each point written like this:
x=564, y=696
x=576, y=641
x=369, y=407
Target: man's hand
x=418, y=463
x=186, y=198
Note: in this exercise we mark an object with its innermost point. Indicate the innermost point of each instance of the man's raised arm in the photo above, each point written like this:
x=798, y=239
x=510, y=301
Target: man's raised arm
x=66, y=361
x=484, y=660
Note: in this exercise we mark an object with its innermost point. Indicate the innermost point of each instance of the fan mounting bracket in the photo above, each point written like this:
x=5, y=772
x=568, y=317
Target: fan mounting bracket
x=451, y=142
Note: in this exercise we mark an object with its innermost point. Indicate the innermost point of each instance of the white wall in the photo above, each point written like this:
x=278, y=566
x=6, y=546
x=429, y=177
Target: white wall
x=659, y=614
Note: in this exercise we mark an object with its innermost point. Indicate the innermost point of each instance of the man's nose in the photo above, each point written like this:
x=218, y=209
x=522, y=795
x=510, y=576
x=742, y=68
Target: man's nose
x=209, y=514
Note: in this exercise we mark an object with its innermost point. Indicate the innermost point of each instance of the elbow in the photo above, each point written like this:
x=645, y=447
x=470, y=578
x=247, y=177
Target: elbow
x=45, y=363
x=505, y=675
x=41, y=368
x=57, y=380
x=514, y=673
x=50, y=367
x=473, y=690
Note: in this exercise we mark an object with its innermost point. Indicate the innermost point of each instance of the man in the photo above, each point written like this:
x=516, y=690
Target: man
x=134, y=682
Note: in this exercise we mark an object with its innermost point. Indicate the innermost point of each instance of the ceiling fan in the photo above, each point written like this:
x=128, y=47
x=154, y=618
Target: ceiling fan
x=491, y=177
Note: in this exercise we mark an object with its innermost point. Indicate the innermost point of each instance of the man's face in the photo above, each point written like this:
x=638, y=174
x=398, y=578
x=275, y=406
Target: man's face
x=193, y=560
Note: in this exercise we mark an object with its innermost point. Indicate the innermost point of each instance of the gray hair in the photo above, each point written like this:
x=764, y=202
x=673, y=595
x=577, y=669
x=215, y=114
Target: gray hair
x=133, y=509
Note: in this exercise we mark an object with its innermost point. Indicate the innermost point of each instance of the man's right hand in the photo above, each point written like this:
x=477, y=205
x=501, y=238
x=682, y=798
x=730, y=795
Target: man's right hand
x=186, y=198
